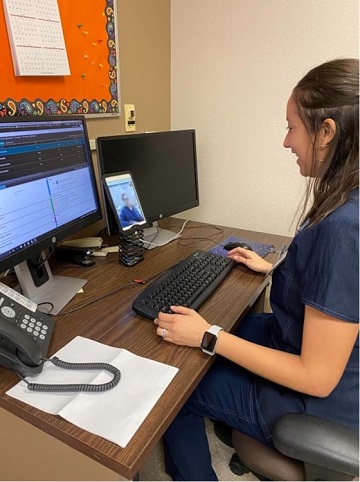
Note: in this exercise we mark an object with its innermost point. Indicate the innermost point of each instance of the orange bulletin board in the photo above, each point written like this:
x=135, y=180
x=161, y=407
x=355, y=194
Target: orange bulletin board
x=93, y=86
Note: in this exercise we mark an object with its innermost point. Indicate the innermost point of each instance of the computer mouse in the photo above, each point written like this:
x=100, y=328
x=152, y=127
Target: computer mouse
x=237, y=244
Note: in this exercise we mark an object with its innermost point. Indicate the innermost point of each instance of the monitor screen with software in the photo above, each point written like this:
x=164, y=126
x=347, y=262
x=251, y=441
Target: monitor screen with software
x=164, y=167
x=47, y=191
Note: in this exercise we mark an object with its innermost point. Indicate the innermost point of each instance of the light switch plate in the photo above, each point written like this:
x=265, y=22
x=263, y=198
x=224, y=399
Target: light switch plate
x=130, y=117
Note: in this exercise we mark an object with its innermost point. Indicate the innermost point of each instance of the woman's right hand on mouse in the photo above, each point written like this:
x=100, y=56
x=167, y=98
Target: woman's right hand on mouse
x=250, y=259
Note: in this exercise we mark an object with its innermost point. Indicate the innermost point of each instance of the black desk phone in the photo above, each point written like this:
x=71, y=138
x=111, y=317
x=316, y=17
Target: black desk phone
x=25, y=333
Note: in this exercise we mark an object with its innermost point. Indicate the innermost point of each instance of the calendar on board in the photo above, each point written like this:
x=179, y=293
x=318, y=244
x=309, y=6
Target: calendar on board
x=36, y=37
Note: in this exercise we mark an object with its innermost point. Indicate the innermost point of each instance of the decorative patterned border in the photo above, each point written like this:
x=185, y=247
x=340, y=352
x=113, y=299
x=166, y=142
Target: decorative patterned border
x=50, y=107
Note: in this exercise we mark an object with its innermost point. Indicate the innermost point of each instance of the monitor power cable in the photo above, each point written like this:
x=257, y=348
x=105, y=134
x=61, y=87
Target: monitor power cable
x=176, y=236
x=132, y=284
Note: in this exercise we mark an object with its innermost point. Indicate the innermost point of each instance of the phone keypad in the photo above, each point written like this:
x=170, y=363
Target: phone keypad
x=38, y=326
x=35, y=327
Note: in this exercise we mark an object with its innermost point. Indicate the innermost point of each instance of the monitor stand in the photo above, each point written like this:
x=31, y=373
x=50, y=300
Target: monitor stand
x=44, y=287
x=159, y=236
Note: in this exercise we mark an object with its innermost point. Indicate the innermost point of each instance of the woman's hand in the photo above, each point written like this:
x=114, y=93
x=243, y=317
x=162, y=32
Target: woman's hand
x=184, y=327
x=250, y=259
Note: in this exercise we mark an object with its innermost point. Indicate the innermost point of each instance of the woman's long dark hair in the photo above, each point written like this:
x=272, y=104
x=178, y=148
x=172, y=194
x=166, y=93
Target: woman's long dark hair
x=331, y=90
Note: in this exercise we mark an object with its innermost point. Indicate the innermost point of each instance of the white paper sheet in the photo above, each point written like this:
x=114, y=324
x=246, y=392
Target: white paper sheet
x=114, y=415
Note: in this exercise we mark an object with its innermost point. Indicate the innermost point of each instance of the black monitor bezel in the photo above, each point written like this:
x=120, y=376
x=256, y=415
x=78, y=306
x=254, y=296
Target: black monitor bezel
x=158, y=216
x=70, y=228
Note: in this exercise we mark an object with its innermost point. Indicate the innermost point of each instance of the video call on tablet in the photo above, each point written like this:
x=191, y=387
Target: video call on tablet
x=124, y=200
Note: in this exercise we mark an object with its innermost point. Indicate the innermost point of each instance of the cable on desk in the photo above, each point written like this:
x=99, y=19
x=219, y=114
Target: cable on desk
x=198, y=226
x=190, y=238
x=193, y=239
x=71, y=266
x=77, y=387
x=156, y=235
x=91, y=302
x=46, y=303
x=133, y=283
x=169, y=241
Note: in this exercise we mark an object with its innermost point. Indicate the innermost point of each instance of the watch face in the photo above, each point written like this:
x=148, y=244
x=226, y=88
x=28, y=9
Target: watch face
x=208, y=342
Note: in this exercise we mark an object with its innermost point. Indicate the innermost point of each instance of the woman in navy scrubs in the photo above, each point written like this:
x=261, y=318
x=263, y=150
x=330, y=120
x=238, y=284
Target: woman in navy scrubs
x=303, y=357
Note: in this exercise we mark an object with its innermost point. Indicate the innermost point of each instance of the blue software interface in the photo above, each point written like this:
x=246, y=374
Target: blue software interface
x=45, y=180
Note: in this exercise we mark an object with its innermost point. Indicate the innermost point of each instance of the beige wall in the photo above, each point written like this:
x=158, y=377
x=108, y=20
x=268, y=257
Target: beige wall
x=234, y=64
x=144, y=41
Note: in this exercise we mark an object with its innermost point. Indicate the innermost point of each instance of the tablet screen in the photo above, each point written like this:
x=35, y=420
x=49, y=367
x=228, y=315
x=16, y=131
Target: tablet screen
x=125, y=202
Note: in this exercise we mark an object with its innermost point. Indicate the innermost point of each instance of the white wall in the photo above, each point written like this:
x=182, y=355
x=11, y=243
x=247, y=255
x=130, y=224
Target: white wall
x=234, y=64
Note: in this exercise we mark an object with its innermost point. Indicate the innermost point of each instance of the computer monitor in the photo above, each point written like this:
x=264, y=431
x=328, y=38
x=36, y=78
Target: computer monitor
x=164, y=167
x=47, y=193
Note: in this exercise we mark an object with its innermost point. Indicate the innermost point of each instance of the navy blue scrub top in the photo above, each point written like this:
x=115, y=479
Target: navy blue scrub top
x=321, y=270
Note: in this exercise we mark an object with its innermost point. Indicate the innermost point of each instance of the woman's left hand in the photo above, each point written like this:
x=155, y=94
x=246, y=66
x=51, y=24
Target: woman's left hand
x=184, y=327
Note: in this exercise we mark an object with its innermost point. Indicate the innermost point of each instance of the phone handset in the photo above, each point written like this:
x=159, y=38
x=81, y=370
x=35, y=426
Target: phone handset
x=25, y=333
x=26, y=348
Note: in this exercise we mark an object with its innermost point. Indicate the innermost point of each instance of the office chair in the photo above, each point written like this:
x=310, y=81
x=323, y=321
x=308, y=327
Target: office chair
x=306, y=448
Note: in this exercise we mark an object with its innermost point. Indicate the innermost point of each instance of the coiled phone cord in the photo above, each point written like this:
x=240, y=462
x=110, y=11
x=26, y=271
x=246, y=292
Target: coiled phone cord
x=77, y=387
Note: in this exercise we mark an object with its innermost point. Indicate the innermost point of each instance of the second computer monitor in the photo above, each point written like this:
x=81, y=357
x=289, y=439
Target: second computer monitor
x=164, y=167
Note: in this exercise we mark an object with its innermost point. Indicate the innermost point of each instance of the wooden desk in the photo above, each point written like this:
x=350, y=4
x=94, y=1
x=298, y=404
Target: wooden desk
x=110, y=320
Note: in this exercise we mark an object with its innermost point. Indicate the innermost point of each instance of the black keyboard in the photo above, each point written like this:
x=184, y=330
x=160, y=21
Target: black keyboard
x=188, y=283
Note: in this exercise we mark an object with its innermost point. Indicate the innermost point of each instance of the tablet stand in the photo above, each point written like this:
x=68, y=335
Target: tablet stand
x=131, y=247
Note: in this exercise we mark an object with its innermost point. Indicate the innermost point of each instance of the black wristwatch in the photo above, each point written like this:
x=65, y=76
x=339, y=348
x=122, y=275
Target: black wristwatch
x=209, y=340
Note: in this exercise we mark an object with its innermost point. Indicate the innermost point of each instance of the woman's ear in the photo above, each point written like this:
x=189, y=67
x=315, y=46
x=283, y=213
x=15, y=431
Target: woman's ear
x=327, y=133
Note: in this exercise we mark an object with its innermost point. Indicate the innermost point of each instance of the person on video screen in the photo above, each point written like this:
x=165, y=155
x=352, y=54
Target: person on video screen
x=129, y=215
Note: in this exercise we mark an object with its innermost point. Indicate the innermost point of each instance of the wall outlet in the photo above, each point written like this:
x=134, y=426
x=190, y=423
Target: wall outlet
x=130, y=117
x=92, y=143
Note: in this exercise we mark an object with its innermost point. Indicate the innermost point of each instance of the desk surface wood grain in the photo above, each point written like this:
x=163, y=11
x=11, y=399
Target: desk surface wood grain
x=110, y=320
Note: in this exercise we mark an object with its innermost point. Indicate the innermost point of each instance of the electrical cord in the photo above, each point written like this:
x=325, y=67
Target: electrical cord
x=46, y=303
x=77, y=387
x=169, y=241
x=192, y=239
x=71, y=266
x=95, y=300
x=133, y=283
x=158, y=230
x=199, y=226
x=41, y=261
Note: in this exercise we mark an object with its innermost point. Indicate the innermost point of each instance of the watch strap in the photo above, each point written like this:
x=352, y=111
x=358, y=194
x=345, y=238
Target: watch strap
x=214, y=329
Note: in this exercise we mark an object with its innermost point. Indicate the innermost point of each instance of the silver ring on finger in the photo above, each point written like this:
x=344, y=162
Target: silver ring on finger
x=163, y=333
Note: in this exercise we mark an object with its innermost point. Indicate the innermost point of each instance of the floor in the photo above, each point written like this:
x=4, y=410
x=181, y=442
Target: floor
x=153, y=469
